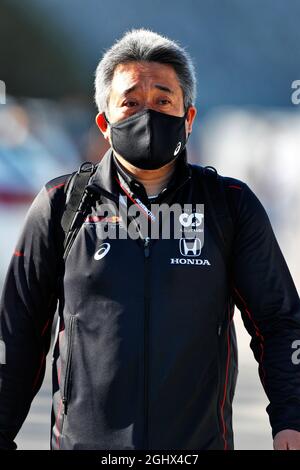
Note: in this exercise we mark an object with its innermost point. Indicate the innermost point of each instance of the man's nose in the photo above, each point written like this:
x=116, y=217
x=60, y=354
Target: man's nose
x=147, y=101
x=147, y=105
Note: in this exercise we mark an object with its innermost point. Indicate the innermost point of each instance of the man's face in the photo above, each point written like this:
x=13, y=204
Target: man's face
x=140, y=85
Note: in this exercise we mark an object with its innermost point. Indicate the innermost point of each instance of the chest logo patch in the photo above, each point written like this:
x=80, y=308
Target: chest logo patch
x=103, y=250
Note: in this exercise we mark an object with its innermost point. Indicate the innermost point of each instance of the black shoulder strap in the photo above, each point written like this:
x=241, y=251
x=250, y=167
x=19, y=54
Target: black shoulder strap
x=217, y=211
x=75, y=199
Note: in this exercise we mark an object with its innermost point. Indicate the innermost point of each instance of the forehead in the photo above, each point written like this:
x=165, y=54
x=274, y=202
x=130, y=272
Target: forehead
x=141, y=74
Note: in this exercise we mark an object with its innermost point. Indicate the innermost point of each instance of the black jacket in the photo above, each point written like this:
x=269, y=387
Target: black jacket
x=146, y=352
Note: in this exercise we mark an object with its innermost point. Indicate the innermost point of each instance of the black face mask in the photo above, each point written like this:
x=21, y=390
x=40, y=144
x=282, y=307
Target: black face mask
x=149, y=139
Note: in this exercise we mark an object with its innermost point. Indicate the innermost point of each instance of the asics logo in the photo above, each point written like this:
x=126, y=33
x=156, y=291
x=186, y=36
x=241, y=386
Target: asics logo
x=178, y=147
x=103, y=250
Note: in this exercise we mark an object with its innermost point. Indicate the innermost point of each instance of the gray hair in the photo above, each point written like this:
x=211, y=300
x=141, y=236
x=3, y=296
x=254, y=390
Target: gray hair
x=144, y=45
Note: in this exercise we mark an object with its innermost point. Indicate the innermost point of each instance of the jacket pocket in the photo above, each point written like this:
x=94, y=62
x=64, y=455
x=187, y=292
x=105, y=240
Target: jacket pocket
x=235, y=361
x=220, y=374
x=223, y=374
x=67, y=380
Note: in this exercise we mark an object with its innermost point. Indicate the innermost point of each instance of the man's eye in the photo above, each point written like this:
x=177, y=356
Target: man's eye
x=130, y=104
x=164, y=101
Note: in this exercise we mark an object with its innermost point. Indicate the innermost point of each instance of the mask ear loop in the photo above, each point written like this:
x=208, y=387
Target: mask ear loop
x=189, y=133
x=106, y=118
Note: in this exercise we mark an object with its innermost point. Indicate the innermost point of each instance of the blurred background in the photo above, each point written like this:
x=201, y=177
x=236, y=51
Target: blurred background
x=247, y=57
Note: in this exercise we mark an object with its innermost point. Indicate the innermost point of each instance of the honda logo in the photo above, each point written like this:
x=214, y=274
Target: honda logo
x=190, y=246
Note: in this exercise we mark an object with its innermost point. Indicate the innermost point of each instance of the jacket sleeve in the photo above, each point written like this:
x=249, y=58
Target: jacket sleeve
x=265, y=294
x=27, y=308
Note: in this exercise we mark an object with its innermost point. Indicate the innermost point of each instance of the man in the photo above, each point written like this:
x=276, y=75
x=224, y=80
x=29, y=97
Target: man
x=145, y=357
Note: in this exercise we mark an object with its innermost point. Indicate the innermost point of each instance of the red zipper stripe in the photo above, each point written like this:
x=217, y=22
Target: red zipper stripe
x=45, y=327
x=43, y=358
x=55, y=187
x=18, y=253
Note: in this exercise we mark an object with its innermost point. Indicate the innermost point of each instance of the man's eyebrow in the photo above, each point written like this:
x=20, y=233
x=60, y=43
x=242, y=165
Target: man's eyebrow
x=163, y=88
x=157, y=85
x=129, y=90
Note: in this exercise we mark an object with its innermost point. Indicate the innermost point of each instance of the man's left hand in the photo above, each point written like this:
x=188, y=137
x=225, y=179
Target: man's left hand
x=288, y=439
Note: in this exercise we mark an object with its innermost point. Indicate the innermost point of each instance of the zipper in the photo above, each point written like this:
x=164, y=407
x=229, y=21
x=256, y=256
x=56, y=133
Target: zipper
x=146, y=246
x=219, y=334
x=223, y=330
x=66, y=392
x=146, y=339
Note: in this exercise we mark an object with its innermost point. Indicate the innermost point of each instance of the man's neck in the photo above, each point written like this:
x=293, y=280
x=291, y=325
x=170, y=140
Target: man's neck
x=152, y=180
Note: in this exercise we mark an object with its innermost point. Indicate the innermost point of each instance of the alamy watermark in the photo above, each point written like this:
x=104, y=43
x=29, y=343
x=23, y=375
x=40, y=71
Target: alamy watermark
x=2, y=92
x=295, y=97
x=161, y=221
x=296, y=354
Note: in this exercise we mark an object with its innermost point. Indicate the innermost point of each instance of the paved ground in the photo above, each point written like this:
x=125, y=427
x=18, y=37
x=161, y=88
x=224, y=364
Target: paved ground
x=251, y=425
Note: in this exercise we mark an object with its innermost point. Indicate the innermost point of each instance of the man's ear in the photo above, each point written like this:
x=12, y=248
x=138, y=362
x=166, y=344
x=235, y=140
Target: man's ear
x=102, y=124
x=191, y=114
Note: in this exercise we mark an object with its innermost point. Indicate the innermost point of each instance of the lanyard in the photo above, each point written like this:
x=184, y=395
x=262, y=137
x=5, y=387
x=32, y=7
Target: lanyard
x=147, y=212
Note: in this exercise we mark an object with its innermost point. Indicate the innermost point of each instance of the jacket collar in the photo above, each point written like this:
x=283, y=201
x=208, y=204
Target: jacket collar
x=104, y=179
